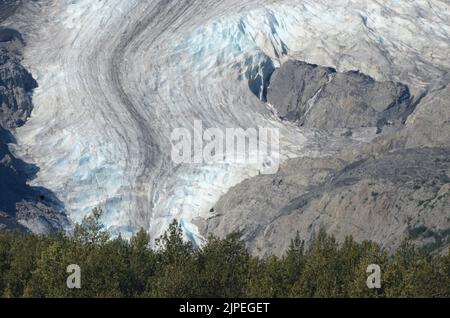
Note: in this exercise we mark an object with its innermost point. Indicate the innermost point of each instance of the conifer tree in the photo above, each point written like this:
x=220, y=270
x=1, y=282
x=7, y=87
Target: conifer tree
x=223, y=267
x=91, y=230
x=320, y=277
x=175, y=266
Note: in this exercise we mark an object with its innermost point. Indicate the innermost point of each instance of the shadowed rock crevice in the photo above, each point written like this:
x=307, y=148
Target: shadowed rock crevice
x=259, y=77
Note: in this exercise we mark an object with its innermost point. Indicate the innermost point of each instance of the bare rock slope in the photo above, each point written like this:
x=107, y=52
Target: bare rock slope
x=320, y=97
x=394, y=188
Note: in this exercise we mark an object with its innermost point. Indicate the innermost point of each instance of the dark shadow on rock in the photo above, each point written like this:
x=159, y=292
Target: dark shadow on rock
x=8, y=35
x=21, y=205
x=259, y=77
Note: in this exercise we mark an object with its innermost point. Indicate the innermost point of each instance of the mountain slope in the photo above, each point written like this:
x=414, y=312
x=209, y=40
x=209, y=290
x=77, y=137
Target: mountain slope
x=117, y=77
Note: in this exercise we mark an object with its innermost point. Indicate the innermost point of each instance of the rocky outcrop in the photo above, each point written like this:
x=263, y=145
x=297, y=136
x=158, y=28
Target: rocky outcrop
x=319, y=97
x=254, y=206
x=394, y=187
x=16, y=82
x=429, y=125
x=8, y=7
x=383, y=198
x=22, y=207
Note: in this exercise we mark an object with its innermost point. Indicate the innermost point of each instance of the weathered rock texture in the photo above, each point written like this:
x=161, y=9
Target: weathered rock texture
x=375, y=198
x=16, y=83
x=8, y=7
x=398, y=186
x=320, y=97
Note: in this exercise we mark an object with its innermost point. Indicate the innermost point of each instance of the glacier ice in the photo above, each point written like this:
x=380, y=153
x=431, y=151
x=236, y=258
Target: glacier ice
x=116, y=77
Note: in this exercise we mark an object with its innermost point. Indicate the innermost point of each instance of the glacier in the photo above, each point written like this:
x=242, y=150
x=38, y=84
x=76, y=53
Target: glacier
x=116, y=77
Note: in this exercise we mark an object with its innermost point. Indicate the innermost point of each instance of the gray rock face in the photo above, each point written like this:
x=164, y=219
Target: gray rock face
x=375, y=198
x=319, y=97
x=394, y=187
x=8, y=7
x=10, y=224
x=430, y=123
x=254, y=205
x=22, y=207
x=16, y=83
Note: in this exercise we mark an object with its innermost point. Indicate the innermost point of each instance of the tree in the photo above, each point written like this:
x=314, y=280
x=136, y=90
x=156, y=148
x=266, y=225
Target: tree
x=223, y=267
x=49, y=278
x=175, y=266
x=446, y=269
x=91, y=230
x=35, y=266
x=269, y=278
x=295, y=260
x=320, y=277
x=105, y=269
x=412, y=273
x=369, y=253
x=142, y=263
x=348, y=262
x=5, y=258
x=25, y=251
x=172, y=248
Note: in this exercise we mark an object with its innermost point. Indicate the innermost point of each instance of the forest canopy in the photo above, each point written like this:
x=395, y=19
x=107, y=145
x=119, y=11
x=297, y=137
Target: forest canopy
x=36, y=266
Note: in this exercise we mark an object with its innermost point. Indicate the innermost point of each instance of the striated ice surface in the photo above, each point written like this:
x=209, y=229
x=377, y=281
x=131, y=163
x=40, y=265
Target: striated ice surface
x=116, y=77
